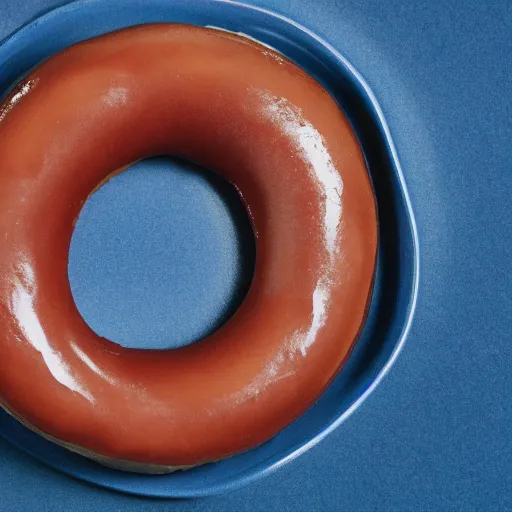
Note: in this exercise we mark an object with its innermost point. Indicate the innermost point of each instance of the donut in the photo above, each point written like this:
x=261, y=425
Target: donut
x=241, y=110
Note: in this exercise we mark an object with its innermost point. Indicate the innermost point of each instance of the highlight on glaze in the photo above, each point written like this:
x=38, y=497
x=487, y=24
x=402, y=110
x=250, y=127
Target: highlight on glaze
x=283, y=142
x=310, y=144
x=25, y=316
x=22, y=90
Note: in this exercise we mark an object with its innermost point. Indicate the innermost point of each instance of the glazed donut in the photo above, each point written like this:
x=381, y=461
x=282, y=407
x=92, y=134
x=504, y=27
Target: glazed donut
x=239, y=109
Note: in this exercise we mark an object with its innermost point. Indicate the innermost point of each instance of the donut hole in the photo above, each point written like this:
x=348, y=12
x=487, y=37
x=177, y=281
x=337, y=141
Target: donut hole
x=161, y=255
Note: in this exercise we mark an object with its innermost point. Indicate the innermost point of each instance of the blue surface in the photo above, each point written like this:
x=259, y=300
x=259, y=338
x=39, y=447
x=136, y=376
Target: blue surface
x=161, y=256
x=435, y=435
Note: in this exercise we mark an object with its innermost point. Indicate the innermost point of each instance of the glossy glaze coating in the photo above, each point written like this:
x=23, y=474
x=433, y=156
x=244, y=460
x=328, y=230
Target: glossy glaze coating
x=237, y=108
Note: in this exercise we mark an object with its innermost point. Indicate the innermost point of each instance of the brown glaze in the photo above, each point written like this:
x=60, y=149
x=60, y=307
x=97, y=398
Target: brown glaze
x=244, y=111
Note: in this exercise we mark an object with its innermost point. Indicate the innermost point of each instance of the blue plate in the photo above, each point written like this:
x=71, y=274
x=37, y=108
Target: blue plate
x=397, y=276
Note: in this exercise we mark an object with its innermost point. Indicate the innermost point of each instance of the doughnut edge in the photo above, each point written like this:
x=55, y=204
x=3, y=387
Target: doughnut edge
x=110, y=462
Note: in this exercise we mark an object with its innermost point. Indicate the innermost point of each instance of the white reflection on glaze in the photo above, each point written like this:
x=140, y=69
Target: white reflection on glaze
x=310, y=144
x=303, y=340
x=22, y=308
x=23, y=91
x=91, y=364
x=116, y=97
x=269, y=375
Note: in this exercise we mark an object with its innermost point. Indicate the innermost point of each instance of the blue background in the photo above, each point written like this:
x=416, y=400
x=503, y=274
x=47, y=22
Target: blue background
x=435, y=435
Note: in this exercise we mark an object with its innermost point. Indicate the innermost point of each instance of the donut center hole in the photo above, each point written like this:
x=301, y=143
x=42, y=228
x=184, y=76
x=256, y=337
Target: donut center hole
x=161, y=256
